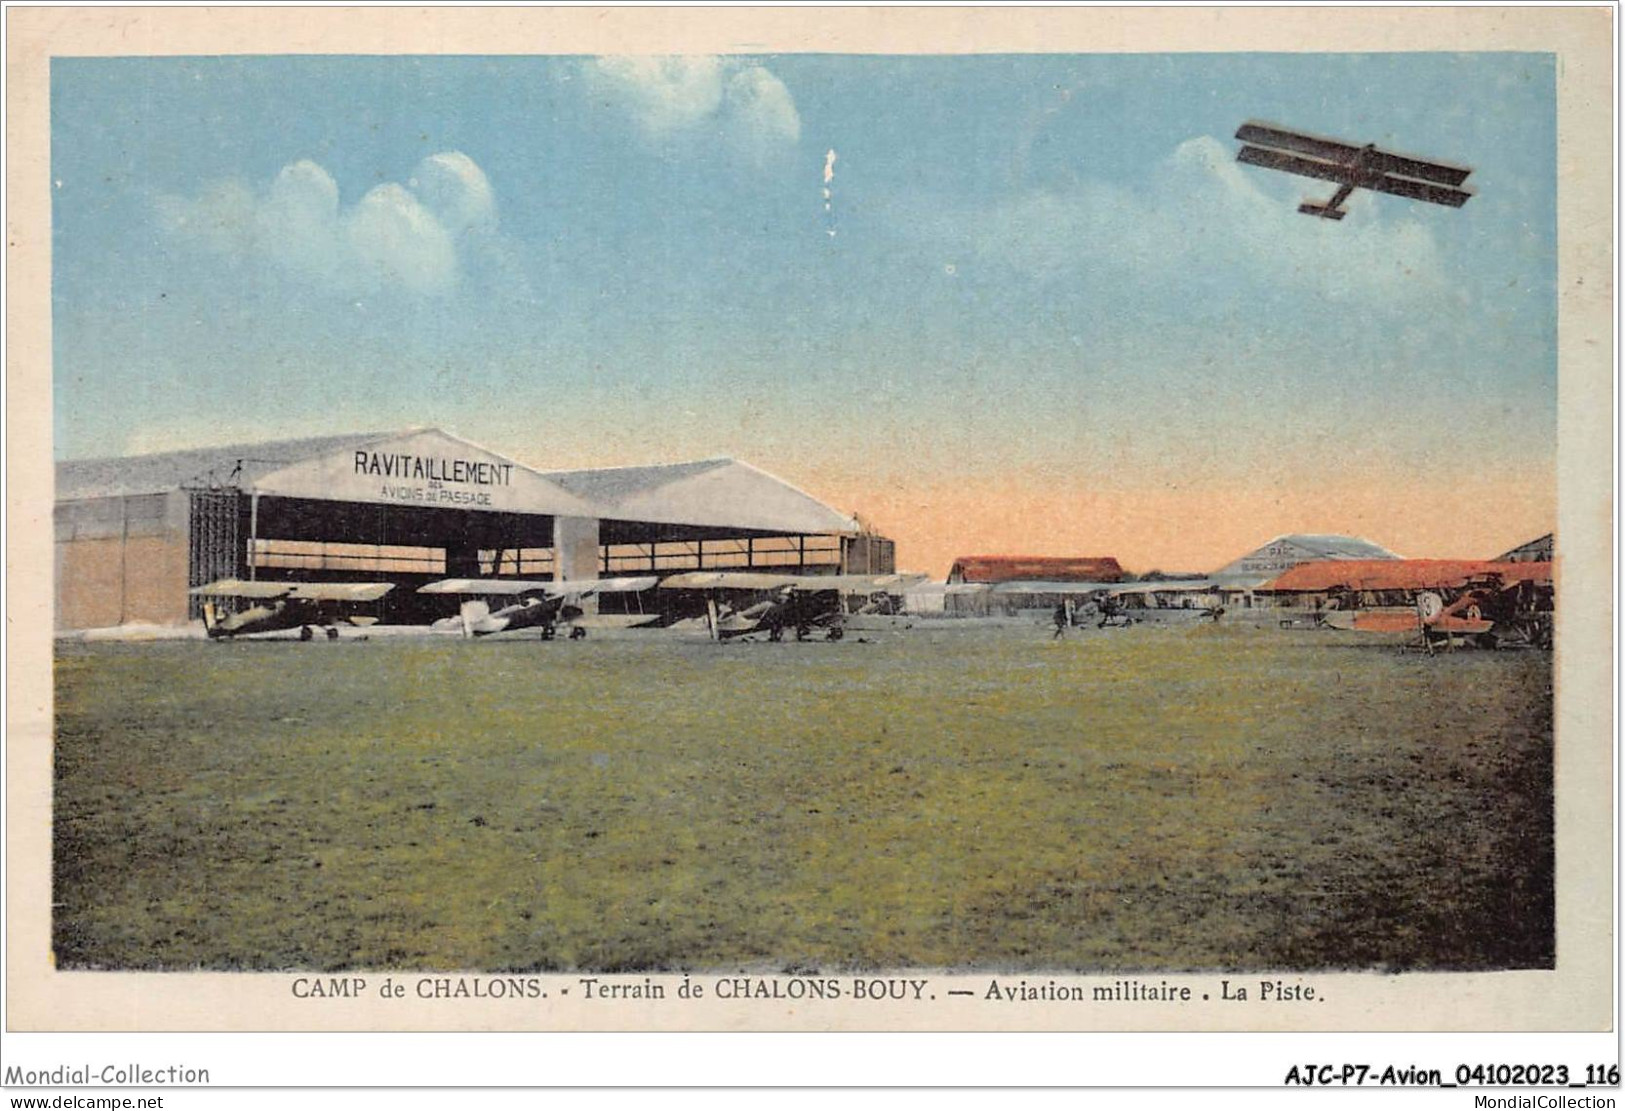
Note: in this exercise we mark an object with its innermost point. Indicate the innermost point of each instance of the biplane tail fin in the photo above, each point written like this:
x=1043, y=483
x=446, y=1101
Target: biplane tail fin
x=473, y=612
x=1324, y=211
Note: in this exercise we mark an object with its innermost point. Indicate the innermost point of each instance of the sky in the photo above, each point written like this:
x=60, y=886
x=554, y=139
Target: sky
x=991, y=304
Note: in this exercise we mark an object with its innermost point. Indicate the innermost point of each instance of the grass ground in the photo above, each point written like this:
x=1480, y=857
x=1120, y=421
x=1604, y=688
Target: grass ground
x=1143, y=799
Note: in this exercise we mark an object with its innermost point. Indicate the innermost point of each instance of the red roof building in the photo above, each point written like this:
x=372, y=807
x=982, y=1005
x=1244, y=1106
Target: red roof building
x=1055, y=569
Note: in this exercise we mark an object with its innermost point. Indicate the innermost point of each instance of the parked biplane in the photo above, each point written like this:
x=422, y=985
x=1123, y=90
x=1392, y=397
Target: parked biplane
x=279, y=606
x=735, y=605
x=1351, y=167
x=536, y=604
x=1163, y=599
x=1436, y=603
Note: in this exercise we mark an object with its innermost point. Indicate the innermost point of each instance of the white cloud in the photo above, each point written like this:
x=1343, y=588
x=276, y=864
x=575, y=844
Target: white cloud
x=662, y=94
x=184, y=434
x=413, y=237
x=456, y=191
x=298, y=222
x=400, y=242
x=744, y=102
x=760, y=107
x=1206, y=223
x=221, y=218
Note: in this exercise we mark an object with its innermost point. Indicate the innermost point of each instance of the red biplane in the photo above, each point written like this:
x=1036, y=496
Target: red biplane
x=1446, y=601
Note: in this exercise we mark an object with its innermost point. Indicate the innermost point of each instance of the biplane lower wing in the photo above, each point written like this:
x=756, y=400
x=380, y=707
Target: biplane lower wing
x=615, y=620
x=1420, y=190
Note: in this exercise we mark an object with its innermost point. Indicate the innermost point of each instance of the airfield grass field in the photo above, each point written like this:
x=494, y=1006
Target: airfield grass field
x=1179, y=798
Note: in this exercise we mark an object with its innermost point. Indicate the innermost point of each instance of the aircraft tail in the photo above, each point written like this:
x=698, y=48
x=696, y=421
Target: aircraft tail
x=1324, y=211
x=211, y=619
x=473, y=612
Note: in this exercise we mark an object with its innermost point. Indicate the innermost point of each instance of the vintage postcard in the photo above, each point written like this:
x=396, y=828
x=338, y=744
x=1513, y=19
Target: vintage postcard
x=1075, y=519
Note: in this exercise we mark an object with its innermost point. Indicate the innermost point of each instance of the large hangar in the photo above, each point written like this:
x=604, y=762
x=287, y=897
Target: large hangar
x=134, y=534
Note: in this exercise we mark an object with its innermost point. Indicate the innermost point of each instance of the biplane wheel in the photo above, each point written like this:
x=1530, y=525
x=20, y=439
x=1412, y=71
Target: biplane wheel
x=835, y=633
x=332, y=632
x=578, y=633
x=306, y=633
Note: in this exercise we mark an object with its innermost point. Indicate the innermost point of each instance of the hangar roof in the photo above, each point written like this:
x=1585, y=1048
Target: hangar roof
x=710, y=492
x=230, y=465
x=616, y=484
x=406, y=465
x=1332, y=546
x=1275, y=556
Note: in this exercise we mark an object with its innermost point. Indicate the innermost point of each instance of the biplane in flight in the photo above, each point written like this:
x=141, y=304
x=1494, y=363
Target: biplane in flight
x=1351, y=167
x=537, y=604
x=278, y=606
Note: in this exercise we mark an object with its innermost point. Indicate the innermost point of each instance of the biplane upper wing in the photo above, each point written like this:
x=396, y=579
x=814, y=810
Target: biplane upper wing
x=1316, y=146
x=729, y=580
x=1295, y=164
x=859, y=584
x=766, y=580
x=312, y=591
x=626, y=585
x=551, y=588
x=487, y=586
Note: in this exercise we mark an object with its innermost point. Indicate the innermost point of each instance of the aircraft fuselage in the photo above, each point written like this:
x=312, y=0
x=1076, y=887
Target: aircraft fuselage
x=270, y=617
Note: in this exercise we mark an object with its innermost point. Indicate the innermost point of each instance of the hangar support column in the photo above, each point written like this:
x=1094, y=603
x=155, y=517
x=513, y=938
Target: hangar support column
x=575, y=551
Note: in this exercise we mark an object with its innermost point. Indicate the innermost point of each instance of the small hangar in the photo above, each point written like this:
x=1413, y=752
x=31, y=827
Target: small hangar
x=1539, y=550
x=981, y=585
x=134, y=534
